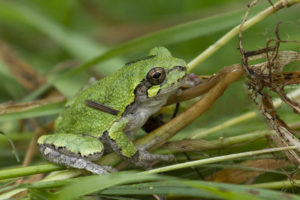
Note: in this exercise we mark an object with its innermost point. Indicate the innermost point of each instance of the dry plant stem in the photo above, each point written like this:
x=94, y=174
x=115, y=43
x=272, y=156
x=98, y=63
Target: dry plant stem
x=165, y=132
x=284, y=135
x=233, y=32
x=31, y=150
x=23, y=72
x=196, y=90
x=19, y=107
x=283, y=58
x=32, y=146
x=246, y=172
x=202, y=145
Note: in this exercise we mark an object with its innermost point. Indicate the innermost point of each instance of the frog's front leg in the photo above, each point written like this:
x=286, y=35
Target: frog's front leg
x=122, y=145
x=72, y=150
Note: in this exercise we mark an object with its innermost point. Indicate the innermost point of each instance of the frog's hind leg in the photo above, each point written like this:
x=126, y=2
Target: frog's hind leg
x=73, y=151
x=70, y=161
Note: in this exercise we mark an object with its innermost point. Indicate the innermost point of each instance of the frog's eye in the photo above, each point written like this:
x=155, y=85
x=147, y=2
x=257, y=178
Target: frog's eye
x=156, y=75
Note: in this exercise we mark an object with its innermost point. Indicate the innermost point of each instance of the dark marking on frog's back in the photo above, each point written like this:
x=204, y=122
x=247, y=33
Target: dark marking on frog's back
x=101, y=107
x=140, y=59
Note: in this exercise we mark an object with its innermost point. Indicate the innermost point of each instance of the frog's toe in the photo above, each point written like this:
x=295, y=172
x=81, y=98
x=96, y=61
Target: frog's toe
x=168, y=158
x=157, y=157
x=144, y=158
x=109, y=169
x=147, y=156
x=98, y=169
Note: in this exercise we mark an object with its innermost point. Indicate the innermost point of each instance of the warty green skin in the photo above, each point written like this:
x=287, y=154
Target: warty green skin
x=80, y=128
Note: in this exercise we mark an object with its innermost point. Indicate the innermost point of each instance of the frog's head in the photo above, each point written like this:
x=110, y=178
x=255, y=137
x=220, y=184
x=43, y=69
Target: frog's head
x=166, y=73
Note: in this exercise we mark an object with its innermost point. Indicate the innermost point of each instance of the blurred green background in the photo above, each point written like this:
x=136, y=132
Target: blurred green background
x=55, y=36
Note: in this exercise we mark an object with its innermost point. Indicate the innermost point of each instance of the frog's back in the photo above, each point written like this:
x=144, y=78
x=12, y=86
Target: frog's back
x=115, y=91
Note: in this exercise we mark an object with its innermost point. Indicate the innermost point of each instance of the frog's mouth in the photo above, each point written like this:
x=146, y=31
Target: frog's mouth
x=173, y=87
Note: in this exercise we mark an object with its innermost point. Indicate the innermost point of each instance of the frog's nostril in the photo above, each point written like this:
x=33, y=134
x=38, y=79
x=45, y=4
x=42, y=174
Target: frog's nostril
x=179, y=67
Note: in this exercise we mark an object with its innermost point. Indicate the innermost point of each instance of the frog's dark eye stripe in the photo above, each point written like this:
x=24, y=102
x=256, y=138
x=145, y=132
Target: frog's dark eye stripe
x=156, y=75
x=101, y=107
x=140, y=59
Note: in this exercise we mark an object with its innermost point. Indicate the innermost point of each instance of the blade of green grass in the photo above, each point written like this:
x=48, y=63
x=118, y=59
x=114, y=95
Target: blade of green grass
x=24, y=171
x=278, y=184
x=108, y=185
x=82, y=185
x=204, y=189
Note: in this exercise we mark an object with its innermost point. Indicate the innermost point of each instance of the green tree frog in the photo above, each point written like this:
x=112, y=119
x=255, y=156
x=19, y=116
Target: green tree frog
x=131, y=95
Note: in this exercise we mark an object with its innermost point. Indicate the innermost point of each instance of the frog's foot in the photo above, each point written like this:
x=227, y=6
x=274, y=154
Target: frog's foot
x=144, y=159
x=58, y=157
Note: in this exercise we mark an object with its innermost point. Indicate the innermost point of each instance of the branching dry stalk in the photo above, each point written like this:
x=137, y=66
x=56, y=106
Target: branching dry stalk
x=11, y=107
x=269, y=75
x=32, y=148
